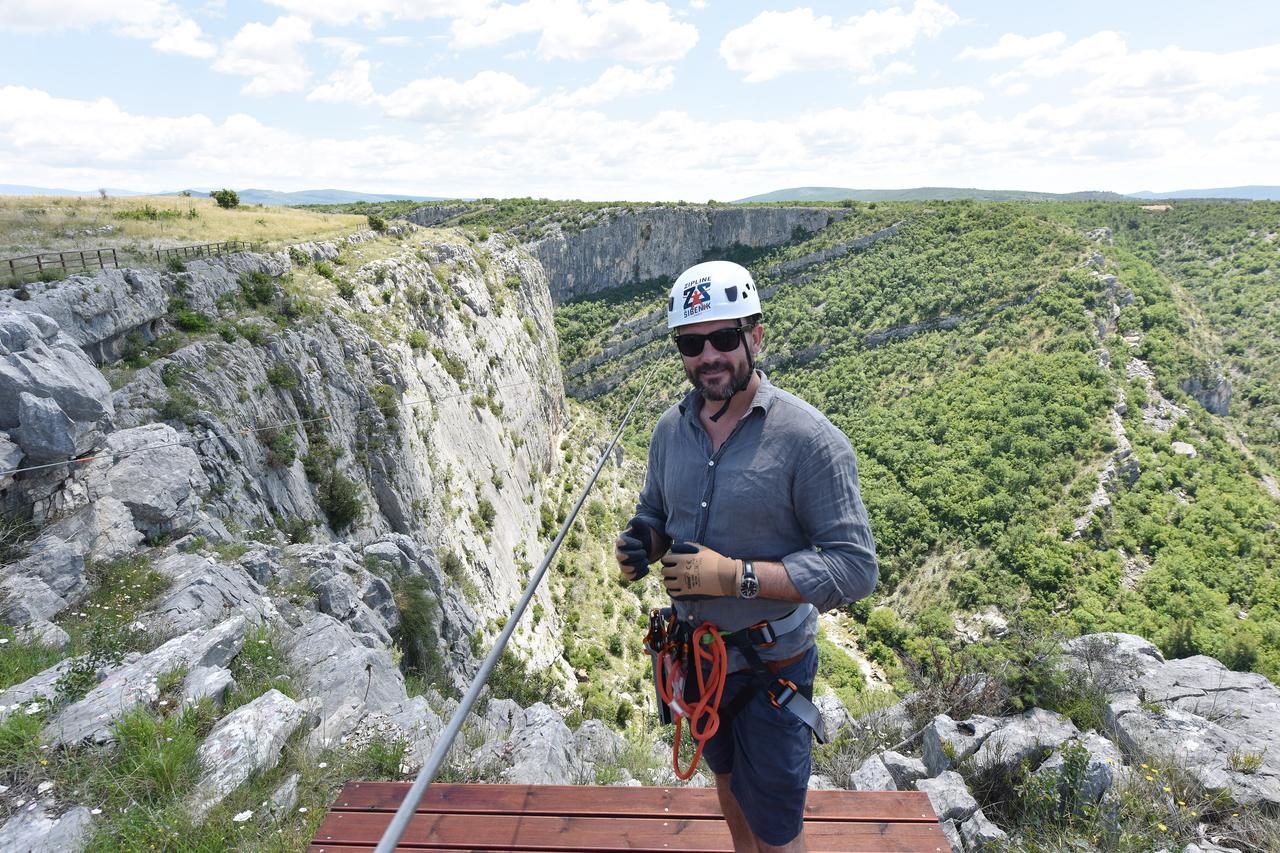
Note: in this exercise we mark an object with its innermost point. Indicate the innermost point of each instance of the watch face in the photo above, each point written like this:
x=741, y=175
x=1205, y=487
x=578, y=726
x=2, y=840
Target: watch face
x=750, y=587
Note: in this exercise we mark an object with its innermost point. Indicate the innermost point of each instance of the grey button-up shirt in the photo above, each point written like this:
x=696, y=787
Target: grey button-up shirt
x=782, y=487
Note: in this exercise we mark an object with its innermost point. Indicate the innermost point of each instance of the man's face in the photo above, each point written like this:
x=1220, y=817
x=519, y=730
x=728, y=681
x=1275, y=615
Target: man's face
x=716, y=373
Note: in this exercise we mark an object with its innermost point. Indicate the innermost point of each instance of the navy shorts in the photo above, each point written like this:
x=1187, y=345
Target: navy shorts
x=769, y=752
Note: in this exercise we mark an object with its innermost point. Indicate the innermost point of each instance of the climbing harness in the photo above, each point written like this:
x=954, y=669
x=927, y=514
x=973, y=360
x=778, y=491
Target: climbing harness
x=684, y=656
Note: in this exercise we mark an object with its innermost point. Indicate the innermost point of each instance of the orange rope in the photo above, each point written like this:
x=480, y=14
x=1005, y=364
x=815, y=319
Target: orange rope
x=711, y=664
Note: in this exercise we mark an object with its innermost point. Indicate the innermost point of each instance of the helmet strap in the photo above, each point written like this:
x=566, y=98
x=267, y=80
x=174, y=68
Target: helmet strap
x=740, y=386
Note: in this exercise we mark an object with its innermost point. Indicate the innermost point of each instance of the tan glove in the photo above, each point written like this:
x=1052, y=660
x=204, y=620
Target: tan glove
x=693, y=571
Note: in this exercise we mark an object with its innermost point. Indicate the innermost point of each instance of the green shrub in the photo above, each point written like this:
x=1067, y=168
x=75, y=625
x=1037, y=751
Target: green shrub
x=325, y=269
x=418, y=339
x=387, y=399
x=377, y=223
x=191, y=321
x=258, y=288
x=298, y=257
x=226, y=198
x=281, y=376
x=345, y=288
x=340, y=499
x=281, y=446
x=174, y=264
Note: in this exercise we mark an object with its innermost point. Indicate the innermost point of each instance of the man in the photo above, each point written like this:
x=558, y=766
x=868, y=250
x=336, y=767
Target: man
x=751, y=501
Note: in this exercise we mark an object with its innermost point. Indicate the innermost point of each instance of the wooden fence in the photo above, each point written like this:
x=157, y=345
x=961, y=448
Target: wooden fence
x=204, y=250
x=33, y=266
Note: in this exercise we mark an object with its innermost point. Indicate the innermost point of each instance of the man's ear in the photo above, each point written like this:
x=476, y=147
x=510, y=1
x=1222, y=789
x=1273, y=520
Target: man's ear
x=757, y=337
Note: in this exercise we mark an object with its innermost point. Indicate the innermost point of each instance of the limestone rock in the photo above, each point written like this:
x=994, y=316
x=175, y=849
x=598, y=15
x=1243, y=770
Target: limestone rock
x=595, y=742
x=25, y=600
x=44, y=633
x=39, y=361
x=285, y=798
x=134, y=683
x=539, y=751
x=211, y=682
x=336, y=594
x=980, y=834
x=343, y=673
x=1029, y=737
x=262, y=562
x=872, y=775
x=1208, y=750
x=10, y=458
x=244, y=742
x=949, y=796
x=1103, y=766
x=948, y=742
x=203, y=593
x=38, y=830
x=39, y=688
x=162, y=485
x=104, y=529
x=834, y=714
x=46, y=434
x=904, y=769
x=951, y=829
x=1114, y=662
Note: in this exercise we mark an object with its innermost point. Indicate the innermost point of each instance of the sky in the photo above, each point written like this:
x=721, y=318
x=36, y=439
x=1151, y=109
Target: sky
x=638, y=99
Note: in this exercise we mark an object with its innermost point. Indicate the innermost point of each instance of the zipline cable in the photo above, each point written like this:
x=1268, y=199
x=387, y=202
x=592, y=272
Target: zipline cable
x=400, y=822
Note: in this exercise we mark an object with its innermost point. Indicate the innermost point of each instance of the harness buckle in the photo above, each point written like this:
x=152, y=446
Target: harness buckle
x=762, y=635
x=784, y=696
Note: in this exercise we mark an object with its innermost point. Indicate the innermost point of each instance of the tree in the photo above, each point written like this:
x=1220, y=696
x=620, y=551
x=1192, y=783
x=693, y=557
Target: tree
x=226, y=198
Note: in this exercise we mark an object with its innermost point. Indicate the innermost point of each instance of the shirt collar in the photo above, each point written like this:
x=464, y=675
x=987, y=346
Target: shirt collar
x=763, y=400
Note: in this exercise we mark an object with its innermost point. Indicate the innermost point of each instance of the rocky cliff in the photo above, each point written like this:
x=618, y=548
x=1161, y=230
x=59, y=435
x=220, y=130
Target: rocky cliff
x=627, y=247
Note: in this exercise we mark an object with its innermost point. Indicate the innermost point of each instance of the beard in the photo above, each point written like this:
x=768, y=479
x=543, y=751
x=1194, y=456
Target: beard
x=722, y=388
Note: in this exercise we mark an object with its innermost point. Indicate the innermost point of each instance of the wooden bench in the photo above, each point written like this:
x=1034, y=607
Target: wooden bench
x=591, y=818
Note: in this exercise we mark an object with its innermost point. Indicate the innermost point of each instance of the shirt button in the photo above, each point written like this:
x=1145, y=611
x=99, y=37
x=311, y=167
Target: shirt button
x=704, y=504
x=711, y=463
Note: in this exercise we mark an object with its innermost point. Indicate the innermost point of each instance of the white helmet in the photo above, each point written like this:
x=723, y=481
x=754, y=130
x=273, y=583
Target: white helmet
x=715, y=290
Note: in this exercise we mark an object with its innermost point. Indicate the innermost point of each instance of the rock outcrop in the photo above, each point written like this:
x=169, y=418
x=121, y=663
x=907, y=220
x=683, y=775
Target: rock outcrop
x=629, y=246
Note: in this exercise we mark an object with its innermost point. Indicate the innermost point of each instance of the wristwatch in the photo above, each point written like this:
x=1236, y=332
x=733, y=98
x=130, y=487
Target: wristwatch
x=749, y=586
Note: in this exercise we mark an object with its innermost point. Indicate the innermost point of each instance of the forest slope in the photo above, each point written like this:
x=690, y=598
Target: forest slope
x=1014, y=393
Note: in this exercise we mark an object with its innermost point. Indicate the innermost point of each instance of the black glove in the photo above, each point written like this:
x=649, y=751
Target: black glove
x=634, y=546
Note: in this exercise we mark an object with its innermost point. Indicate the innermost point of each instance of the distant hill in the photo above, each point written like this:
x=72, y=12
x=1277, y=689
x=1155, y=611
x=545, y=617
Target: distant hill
x=1253, y=193
x=925, y=194
x=22, y=189
x=276, y=199
x=271, y=198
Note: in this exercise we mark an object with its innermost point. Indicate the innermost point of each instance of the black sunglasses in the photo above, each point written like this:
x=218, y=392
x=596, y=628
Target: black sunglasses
x=724, y=340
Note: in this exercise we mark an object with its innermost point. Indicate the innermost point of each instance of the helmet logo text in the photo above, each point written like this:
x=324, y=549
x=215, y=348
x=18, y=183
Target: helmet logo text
x=697, y=296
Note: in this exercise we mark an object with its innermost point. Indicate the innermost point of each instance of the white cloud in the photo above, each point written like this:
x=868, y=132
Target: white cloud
x=442, y=99
x=629, y=30
x=893, y=69
x=775, y=43
x=1104, y=65
x=349, y=83
x=1014, y=46
x=159, y=21
x=929, y=100
x=620, y=82
x=371, y=13
x=269, y=55
x=396, y=41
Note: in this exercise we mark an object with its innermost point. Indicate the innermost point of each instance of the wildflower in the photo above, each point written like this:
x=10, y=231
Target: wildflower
x=1193, y=814
x=1143, y=766
x=163, y=702
x=302, y=809
x=44, y=788
x=33, y=708
x=1162, y=827
x=1167, y=789
x=242, y=816
x=3, y=640
x=323, y=764
x=44, y=762
x=1148, y=778
x=95, y=811
x=1182, y=802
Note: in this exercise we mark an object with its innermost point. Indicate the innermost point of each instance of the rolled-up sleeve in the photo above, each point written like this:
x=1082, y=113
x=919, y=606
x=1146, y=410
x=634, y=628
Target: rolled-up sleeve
x=840, y=566
x=651, y=507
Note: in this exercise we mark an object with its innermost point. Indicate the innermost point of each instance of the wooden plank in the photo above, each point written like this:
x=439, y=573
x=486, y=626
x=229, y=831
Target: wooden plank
x=510, y=832
x=569, y=800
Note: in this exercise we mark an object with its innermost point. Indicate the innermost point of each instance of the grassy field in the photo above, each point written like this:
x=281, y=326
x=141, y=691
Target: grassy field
x=139, y=224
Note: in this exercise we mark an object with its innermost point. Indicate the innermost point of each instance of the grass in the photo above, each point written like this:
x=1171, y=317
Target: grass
x=20, y=661
x=31, y=224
